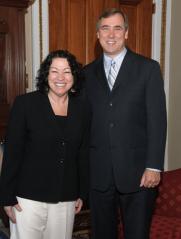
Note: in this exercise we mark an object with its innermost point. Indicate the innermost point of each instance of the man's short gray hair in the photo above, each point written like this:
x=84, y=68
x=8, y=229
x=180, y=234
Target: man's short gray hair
x=110, y=12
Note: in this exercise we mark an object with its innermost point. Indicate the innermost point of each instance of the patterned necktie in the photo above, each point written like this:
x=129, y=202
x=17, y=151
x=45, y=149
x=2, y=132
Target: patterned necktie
x=112, y=74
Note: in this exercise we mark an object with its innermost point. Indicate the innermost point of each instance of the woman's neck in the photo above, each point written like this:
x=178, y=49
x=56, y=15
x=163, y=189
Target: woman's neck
x=59, y=104
x=58, y=99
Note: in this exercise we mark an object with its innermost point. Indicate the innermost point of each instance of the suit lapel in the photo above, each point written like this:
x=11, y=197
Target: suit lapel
x=100, y=74
x=125, y=69
x=123, y=74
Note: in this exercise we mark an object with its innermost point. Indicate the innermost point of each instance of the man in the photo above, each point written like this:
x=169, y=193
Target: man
x=128, y=132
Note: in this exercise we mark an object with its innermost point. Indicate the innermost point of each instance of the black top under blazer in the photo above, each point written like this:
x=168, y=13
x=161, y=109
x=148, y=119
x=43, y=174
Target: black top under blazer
x=128, y=130
x=40, y=162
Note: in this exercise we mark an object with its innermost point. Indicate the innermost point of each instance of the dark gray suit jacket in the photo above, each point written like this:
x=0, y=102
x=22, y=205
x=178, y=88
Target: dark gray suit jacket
x=128, y=130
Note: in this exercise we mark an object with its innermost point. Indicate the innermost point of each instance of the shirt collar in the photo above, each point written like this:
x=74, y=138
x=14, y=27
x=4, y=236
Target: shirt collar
x=118, y=59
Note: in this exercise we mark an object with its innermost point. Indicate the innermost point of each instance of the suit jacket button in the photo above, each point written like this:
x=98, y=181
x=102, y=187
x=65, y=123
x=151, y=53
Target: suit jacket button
x=111, y=125
x=62, y=143
x=110, y=104
x=61, y=161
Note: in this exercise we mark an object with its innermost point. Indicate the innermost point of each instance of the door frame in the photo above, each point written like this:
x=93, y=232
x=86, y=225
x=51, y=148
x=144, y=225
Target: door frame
x=40, y=40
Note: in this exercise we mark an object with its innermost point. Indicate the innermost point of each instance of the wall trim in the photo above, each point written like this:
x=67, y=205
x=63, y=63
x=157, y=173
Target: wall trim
x=161, y=47
x=40, y=35
x=163, y=35
x=156, y=30
x=167, y=67
x=35, y=41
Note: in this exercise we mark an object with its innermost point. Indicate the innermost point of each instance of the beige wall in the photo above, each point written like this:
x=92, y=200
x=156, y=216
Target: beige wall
x=28, y=42
x=174, y=113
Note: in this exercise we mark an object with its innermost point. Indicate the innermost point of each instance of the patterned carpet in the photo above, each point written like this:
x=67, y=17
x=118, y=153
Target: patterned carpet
x=82, y=225
x=4, y=232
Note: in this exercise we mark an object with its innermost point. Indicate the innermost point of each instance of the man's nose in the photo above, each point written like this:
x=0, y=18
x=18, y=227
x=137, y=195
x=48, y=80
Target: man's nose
x=111, y=32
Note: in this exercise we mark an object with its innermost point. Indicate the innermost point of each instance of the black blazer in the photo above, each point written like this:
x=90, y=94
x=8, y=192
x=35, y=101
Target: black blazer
x=40, y=163
x=128, y=130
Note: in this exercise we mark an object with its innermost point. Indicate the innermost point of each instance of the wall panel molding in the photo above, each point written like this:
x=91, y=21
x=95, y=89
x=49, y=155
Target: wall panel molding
x=40, y=35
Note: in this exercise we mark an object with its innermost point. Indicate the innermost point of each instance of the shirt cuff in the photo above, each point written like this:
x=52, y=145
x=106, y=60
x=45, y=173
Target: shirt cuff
x=154, y=169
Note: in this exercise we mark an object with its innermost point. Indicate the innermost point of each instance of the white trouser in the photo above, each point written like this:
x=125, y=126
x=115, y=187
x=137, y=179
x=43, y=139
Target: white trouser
x=39, y=220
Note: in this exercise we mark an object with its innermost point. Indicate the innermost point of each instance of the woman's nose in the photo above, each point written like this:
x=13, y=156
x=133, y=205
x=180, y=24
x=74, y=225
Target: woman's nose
x=60, y=75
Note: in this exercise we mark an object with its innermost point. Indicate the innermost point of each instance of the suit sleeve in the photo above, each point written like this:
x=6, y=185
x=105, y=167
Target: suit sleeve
x=156, y=118
x=13, y=153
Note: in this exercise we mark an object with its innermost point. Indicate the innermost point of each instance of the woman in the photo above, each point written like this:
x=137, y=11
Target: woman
x=45, y=166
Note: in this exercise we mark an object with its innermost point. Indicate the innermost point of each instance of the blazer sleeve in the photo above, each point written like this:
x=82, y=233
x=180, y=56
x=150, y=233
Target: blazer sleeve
x=84, y=156
x=156, y=118
x=13, y=153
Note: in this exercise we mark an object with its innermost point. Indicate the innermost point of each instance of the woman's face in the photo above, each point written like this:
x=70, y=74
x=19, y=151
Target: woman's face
x=60, y=78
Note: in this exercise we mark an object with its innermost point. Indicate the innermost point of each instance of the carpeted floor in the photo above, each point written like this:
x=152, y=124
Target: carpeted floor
x=4, y=232
x=81, y=227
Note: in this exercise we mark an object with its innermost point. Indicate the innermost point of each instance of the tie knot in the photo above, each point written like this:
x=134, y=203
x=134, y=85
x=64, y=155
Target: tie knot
x=113, y=63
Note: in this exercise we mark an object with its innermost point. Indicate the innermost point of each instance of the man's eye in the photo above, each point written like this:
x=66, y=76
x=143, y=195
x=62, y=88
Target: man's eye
x=104, y=28
x=119, y=28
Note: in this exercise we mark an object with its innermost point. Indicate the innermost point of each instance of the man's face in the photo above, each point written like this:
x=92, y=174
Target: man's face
x=112, y=34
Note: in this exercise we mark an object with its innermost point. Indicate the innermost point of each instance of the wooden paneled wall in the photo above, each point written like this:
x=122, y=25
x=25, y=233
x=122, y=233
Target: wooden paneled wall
x=12, y=56
x=72, y=25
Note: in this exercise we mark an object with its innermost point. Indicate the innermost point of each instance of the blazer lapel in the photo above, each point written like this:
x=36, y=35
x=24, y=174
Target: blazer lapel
x=73, y=116
x=49, y=116
x=70, y=116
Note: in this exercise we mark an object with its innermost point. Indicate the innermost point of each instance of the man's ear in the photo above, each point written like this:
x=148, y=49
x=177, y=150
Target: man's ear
x=97, y=35
x=126, y=35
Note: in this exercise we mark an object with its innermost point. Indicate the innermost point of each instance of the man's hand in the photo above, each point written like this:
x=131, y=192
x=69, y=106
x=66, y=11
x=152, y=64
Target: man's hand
x=150, y=179
x=10, y=211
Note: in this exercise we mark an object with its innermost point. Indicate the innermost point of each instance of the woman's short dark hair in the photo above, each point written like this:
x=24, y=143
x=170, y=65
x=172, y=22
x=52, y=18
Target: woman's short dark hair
x=76, y=69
